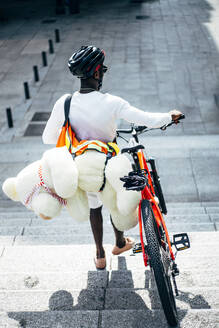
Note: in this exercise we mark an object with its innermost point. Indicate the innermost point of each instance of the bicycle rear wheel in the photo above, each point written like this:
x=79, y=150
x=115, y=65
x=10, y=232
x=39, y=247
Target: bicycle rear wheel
x=159, y=263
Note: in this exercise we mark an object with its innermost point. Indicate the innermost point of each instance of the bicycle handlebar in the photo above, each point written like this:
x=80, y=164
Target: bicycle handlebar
x=140, y=128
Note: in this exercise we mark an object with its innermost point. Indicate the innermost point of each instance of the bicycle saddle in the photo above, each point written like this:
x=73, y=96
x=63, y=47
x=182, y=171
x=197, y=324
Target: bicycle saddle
x=132, y=149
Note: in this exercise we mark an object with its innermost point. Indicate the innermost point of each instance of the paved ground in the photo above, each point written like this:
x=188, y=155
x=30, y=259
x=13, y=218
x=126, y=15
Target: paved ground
x=162, y=55
x=170, y=56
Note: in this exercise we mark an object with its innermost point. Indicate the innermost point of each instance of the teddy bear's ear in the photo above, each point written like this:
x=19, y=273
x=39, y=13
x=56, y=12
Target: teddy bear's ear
x=9, y=188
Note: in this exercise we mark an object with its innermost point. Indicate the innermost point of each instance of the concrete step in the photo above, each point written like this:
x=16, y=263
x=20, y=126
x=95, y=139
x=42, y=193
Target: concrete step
x=53, y=280
x=138, y=279
x=136, y=299
x=184, y=261
x=73, y=299
x=14, y=214
x=80, y=257
x=38, y=226
x=72, y=239
x=155, y=318
x=10, y=208
x=6, y=241
x=15, y=222
x=109, y=299
x=107, y=319
x=21, y=212
x=186, y=210
x=173, y=213
x=7, y=206
x=195, y=218
x=85, y=229
x=192, y=204
x=64, y=227
x=50, y=319
x=68, y=239
x=11, y=231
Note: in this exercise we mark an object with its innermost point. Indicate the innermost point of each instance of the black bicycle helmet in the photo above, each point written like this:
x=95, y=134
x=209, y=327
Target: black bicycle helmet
x=86, y=61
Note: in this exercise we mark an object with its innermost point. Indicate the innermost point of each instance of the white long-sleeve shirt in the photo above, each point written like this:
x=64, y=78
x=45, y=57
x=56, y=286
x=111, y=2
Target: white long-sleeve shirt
x=93, y=116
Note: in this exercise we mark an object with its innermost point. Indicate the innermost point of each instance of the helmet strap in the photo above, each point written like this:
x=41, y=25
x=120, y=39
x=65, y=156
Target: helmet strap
x=100, y=79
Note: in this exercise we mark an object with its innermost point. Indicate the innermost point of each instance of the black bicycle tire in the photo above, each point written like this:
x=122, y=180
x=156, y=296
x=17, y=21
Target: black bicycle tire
x=162, y=280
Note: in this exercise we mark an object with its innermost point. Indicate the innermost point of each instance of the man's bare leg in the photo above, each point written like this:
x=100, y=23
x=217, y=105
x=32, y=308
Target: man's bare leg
x=96, y=221
x=120, y=240
x=123, y=244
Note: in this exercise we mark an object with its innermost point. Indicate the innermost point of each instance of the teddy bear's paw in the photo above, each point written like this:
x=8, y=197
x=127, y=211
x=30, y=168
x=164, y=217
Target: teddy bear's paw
x=127, y=201
x=124, y=222
x=9, y=188
x=45, y=205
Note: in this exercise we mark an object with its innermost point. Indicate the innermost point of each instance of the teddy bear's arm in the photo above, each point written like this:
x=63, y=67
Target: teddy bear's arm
x=63, y=170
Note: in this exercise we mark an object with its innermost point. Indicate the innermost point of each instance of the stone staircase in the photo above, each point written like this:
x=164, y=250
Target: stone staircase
x=48, y=277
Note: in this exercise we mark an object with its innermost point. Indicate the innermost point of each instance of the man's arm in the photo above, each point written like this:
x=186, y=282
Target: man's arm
x=55, y=122
x=151, y=120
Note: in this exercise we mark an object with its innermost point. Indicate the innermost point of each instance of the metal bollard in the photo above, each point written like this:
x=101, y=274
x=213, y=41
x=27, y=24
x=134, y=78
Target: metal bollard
x=26, y=90
x=51, y=48
x=57, y=35
x=44, y=58
x=9, y=117
x=36, y=73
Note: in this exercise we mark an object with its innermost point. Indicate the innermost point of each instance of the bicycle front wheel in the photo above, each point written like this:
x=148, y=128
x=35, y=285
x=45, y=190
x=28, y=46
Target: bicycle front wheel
x=159, y=263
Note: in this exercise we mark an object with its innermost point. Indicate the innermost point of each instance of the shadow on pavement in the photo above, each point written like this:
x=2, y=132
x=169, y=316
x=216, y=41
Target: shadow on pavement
x=120, y=300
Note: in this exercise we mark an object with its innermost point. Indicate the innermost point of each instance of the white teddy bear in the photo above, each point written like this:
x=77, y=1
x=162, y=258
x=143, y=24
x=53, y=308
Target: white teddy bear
x=56, y=180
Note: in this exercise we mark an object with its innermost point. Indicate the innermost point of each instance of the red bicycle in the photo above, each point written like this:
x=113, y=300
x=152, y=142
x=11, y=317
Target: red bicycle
x=155, y=244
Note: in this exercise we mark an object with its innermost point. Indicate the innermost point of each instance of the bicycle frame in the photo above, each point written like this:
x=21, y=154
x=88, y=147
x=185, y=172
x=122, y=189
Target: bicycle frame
x=147, y=193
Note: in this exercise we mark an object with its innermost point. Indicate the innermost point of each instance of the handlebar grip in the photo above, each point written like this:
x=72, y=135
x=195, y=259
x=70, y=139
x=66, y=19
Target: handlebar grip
x=124, y=130
x=182, y=116
x=140, y=128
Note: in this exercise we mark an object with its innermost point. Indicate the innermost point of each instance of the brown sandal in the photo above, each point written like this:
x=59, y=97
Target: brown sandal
x=100, y=263
x=129, y=243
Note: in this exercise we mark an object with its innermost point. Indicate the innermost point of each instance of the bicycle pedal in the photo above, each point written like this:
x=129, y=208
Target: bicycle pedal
x=137, y=248
x=181, y=241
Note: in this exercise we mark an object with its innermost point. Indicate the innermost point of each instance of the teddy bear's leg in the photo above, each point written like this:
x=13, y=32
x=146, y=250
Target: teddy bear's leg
x=78, y=207
x=117, y=167
x=127, y=201
x=108, y=197
x=122, y=222
x=63, y=170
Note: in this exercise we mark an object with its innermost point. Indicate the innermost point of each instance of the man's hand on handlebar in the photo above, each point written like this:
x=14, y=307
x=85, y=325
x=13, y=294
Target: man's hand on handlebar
x=175, y=115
